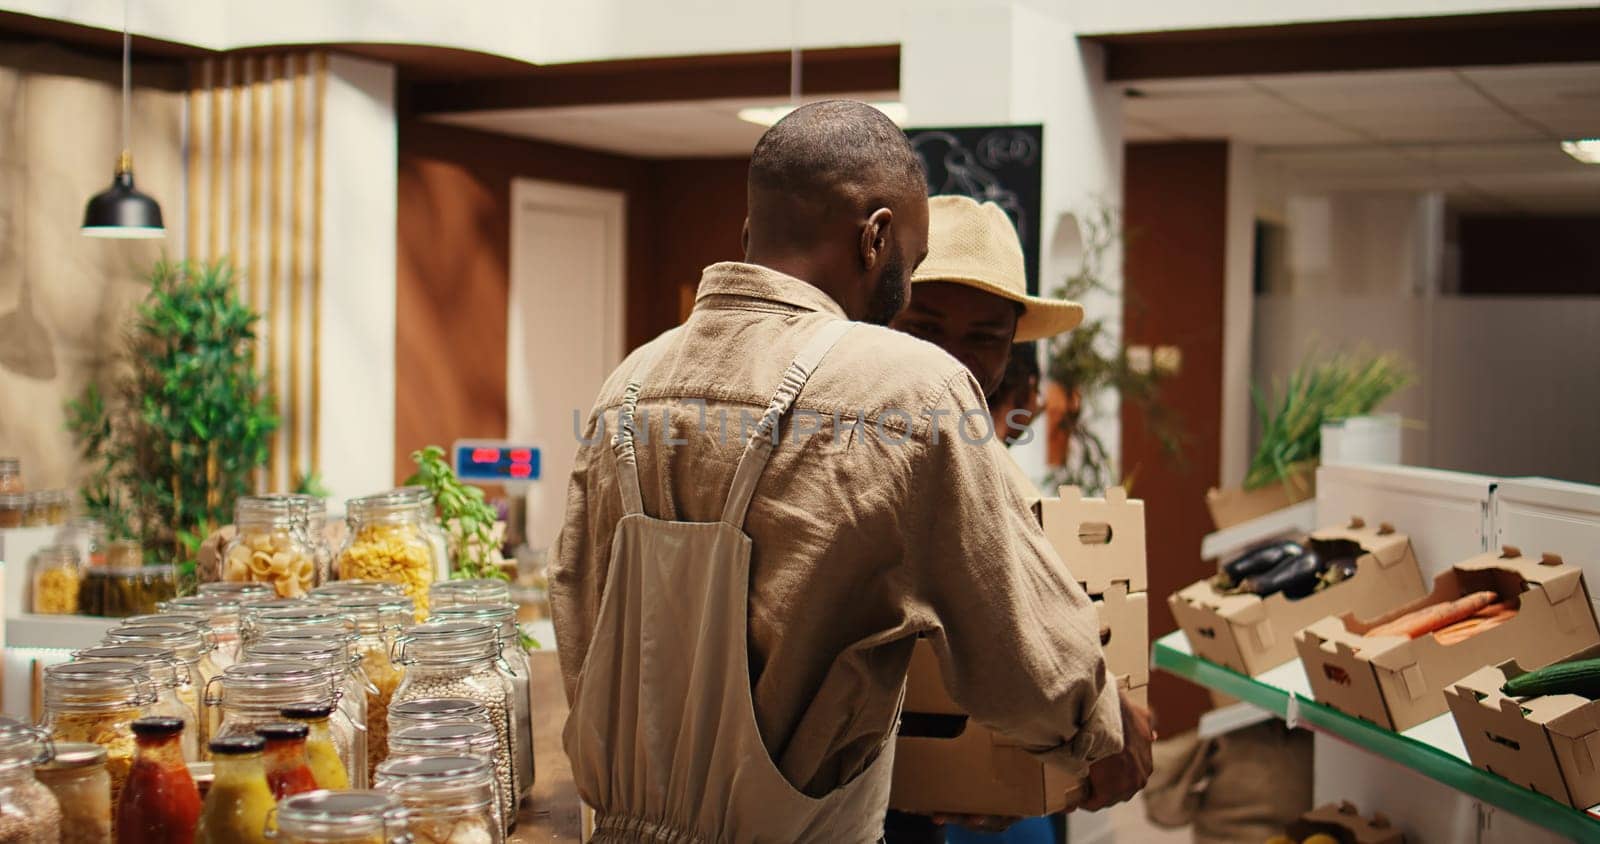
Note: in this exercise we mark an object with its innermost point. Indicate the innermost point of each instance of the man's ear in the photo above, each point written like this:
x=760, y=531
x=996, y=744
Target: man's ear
x=875, y=237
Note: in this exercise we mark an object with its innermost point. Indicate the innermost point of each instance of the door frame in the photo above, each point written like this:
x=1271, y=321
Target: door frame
x=611, y=205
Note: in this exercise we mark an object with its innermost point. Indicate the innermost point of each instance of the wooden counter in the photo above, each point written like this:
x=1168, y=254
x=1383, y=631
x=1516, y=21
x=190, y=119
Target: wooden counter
x=552, y=813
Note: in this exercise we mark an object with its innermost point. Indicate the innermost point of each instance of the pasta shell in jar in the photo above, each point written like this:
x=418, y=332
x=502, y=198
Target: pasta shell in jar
x=270, y=546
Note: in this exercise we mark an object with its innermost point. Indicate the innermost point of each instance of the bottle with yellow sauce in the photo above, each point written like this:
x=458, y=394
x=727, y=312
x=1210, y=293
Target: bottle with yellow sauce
x=321, y=754
x=237, y=806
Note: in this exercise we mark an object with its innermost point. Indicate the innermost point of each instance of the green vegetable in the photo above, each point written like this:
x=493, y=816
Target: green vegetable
x=1579, y=677
x=468, y=519
x=1291, y=435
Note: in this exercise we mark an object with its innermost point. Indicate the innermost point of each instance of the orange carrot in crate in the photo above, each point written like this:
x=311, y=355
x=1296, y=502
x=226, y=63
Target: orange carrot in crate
x=1464, y=630
x=1434, y=617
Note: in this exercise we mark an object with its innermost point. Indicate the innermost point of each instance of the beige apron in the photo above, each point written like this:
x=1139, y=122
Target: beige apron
x=663, y=736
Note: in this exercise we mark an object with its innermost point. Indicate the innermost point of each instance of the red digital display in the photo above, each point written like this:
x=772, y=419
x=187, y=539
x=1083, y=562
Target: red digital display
x=490, y=462
x=521, y=455
x=486, y=455
x=521, y=470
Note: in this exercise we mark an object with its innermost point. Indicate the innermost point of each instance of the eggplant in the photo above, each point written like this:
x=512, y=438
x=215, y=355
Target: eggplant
x=1295, y=577
x=1261, y=559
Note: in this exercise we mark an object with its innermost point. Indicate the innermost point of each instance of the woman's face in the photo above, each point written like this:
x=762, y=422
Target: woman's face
x=975, y=327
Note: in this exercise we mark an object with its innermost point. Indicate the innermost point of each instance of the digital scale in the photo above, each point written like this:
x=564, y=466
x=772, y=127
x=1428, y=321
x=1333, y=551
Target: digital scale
x=510, y=464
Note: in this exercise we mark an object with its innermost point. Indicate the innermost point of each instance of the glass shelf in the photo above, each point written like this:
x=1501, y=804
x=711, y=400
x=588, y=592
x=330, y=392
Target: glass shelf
x=1432, y=749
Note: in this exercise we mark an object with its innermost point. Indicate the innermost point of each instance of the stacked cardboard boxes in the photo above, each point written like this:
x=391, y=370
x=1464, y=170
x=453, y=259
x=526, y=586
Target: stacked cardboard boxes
x=944, y=761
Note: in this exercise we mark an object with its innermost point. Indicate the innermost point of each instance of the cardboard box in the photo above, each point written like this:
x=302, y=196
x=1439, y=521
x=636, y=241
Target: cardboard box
x=946, y=762
x=1100, y=539
x=1547, y=744
x=1126, y=617
x=1398, y=683
x=1345, y=823
x=1235, y=505
x=1251, y=634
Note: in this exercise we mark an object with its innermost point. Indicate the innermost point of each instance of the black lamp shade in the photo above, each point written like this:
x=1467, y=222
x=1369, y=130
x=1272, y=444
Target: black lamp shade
x=122, y=211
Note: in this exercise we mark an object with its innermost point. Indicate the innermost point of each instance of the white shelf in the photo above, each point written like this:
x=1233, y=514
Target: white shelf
x=59, y=632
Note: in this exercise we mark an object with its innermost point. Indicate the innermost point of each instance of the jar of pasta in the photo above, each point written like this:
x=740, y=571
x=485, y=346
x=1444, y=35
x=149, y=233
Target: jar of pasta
x=330, y=649
x=311, y=514
x=422, y=498
x=57, y=576
x=96, y=701
x=193, y=650
x=378, y=620
x=176, y=697
x=389, y=541
x=270, y=546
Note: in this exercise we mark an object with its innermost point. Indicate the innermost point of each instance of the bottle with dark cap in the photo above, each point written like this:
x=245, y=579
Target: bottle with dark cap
x=285, y=758
x=236, y=808
x=322, y=756
x=160, y=802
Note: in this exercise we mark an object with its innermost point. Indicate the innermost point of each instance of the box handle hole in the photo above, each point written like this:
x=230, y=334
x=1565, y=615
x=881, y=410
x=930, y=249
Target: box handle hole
x=1094, y=533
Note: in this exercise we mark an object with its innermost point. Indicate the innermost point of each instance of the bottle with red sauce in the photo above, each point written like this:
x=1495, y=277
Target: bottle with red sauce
x=159, y=803
x=288, y=770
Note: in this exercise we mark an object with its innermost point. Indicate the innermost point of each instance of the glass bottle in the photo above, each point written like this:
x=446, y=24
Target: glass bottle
x=341, y=817
x=270, y=546
x=239, y=591
x=97, y=701
x=473, y=590
x=176, y=697
x=514, y=664
x=284, y=756
x=160, y=804
x=389, y=541
x=190, y=646
x=13, y=509
x=28, y=811
x=461, y=659
x=10, y=475
x=253, y=693
x=452, y=738
x=222, y=623
x=448, y=799
x=78, y=779
x=236, y=808
x=378, y=620
x=56, y=574
x=328, y=648
x=321, y=754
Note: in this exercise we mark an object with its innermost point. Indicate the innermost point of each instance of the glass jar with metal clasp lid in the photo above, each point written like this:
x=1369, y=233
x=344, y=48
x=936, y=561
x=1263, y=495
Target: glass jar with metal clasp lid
x=329, y=593
x=28, y=811
x=312, y=514
x=78, y=778
x=10, y=475
x=176, y=696
x=97, y=701
x=340, y=817
x=189, y=643
x=474, y=739
x=378, y=619
x=241, y=592
x=471, y=590
x=331, y=648
x=390, y=540
x=250, y=611
x=422, y=498
x=255, y=692
x=514, y=663
x=221, y=614
x=56, y=575
x=310, y=615
x=271, y=546
x=448, y=799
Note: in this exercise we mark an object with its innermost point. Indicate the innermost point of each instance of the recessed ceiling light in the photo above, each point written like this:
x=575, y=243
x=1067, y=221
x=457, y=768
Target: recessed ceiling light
x=768, y=115
x=1586, y=150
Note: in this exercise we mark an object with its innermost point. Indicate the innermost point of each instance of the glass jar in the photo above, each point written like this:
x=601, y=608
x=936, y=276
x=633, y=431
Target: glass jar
x=474, y=590
x=77, y=777
x=13, y=509
x=92, y=592
x=378, y=619
x=238, y=591
x=389, y=541
x=341, y=817
x=57, y=576
x=422, y=498
x=448, y=799
x=221, y=615
x=157, y=584
x=55, y=504
x=190, y=646
x=452, y=738
x=119, y=593
x=421, y=712
x=96, y=701
x=239, y=805
x=10, y=475
x=270, y=546
x=286, y=618
x=88, y=536
x=161, y=802
x=249, y=611
x=514, y=664
x=329, y=593
x=252, y=693
x=312, y=513
x=461, y=659
x=29, y=813
x=176, y=697
x=330, y=649
x=36, y=512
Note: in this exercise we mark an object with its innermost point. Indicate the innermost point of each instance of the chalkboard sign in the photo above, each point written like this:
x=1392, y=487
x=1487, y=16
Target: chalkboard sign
x=999, y=164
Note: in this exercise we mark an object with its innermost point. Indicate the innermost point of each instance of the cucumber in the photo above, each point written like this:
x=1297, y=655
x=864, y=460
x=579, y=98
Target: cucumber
x=1579, y=677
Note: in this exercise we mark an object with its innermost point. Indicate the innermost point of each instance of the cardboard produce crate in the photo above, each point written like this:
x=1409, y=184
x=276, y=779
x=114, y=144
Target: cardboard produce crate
x=1345, y=823
x=1126, y=618
x=1101, y=540
x=1237, y=505
x=1398, y=683
x=1547, y=744
x=1251, y=634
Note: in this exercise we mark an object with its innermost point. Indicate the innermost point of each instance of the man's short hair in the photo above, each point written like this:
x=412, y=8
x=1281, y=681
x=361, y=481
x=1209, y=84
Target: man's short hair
x=834, y=149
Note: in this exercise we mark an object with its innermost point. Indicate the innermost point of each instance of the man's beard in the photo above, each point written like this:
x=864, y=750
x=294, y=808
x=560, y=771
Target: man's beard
x=889, y=297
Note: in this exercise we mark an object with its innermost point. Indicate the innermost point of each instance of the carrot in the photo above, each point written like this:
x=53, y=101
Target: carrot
x=1464, y=630
x=1434, y=617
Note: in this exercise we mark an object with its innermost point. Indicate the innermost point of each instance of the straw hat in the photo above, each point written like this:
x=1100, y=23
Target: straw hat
x=976, y=245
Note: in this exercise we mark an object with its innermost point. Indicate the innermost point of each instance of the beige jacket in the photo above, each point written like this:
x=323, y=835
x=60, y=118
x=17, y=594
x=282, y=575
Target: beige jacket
x=877, y=520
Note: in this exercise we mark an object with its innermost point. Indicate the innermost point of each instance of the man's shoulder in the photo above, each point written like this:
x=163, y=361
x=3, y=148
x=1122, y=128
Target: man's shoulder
x=893, y=365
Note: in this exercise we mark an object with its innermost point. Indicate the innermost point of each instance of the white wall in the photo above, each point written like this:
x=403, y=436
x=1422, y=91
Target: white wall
x=1238, y=307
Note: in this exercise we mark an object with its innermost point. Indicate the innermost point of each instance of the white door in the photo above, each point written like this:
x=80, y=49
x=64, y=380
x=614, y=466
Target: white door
x=565, y=333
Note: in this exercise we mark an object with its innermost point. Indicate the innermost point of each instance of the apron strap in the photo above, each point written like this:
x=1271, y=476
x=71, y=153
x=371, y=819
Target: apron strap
x=759, y=447
x=622, y=441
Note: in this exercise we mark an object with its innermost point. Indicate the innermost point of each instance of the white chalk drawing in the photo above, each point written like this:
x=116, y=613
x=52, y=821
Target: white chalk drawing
x=953, y=168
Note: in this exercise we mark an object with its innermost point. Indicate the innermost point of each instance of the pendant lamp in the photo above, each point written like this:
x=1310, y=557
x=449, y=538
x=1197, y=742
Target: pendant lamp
x=121, y=210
